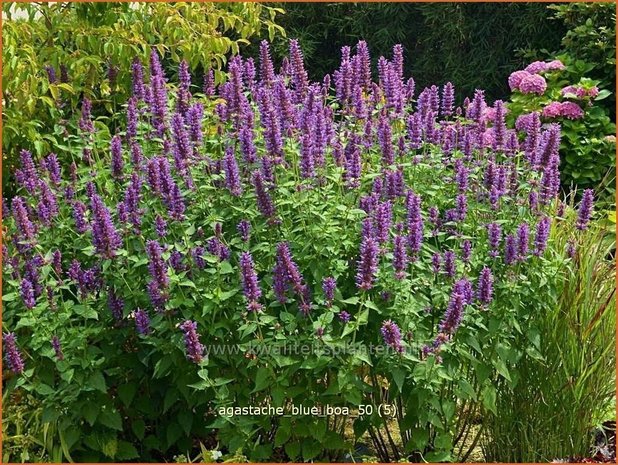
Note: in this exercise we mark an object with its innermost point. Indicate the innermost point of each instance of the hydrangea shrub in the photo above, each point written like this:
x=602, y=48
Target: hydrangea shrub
x=588, y=140
x=275, y=241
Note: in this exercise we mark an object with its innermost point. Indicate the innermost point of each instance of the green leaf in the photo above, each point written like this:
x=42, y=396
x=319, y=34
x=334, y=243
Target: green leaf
x=419, y=438
x=502, y=369
x=171, y=396
x=399, y=376
x=363, y=317
x=185, y=419
x=86, y=312
x=109, y=447
x=488, y=398
x=263, y=379
x=227, y=294
x=173, y=433
x=44, y=389
x=10, y=297
x=139, y=428
x=292, y=449
x=283, y=435
x=97, y=381
x=311, y=448
x=226, y=268
x=126, y=392
x=465, y=390
x=126, y=451
x=90, y=411
x=110, y=418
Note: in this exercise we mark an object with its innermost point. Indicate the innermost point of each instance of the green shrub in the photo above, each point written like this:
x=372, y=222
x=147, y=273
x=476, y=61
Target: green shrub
x=591, y=37
x=588, y=145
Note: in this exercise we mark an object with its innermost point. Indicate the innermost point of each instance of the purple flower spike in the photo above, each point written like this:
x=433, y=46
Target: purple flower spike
x=436, y=261
x=27, y=293
x=485, y=286
x=156, y=264
x=453, y=314
x=466, y=251
x=448, y=99
x=585, y=210
x=117, y=161
x=523, y=234
x=367, y=263
x=209, y=83
x=542, y=234
x=251, y=286
x=264, y=201
x=391, y=334
x=194, y=349
x=142, y=322
x=12, y=355
x=55, y=342
x=115, y=305
x=267, y=70
x=510, y=249
x=449, y=263
x=244, y=228
x=160, y=226
x=137, y=78
x=52, y=165
x=494, y=232
x=79, y=216
x=105, y=237
x=85, y=121
x=299, y=76
x=22, y=220
x=344, y=316
x=232, y=175
x=328, y=286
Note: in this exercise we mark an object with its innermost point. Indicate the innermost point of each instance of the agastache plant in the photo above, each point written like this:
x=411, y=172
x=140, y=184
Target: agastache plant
x=357, y=208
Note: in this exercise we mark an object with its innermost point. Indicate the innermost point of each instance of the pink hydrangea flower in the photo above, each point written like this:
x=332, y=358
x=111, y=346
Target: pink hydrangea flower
x=555, y=65
x=533, y=84
x=580, y=92
x=516, y=77
x=489, y=114
x=536, y=67
x=570, y=110
x=553, y=110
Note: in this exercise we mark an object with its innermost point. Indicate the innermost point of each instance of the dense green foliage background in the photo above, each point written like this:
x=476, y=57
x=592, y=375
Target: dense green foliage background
x=470, y=44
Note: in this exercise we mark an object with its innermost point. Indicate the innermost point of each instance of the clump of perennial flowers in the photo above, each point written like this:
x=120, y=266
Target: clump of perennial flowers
x=271, y=207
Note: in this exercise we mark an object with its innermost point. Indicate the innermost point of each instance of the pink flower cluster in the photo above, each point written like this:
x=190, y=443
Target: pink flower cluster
x=570, y=110
x=580, y=92
x=537, y=67
x=529, y=81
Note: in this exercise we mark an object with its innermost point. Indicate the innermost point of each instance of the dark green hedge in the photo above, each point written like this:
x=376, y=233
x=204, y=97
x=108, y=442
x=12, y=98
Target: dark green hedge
x=470, y=44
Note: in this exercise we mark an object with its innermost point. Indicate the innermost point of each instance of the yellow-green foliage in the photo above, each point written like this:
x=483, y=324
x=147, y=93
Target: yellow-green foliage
x=88, y=39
